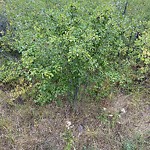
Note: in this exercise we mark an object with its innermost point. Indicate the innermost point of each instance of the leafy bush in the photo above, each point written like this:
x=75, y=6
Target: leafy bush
x=143, y=45
x=65, y=46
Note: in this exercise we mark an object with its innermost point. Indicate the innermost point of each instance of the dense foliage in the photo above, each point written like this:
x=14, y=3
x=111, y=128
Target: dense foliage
x=68, y=48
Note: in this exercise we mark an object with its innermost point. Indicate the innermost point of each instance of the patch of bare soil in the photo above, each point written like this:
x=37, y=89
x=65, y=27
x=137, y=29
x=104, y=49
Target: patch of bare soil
x=134, y=113
x=119, y=124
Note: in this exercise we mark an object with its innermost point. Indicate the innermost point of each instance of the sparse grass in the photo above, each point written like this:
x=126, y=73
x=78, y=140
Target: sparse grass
x=5, y=125
x=138, y=142
x=28, y=126
x=108, y=118
x=69, y=139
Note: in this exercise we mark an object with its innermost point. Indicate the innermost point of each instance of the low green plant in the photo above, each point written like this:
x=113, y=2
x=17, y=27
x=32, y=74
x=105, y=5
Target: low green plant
x=137, y=142
x=128, y=145
x=88, y=148
x=68, y=137
x=108, y=119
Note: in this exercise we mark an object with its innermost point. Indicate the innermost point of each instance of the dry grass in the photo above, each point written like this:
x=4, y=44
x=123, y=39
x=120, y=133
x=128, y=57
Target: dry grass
x=122, y=123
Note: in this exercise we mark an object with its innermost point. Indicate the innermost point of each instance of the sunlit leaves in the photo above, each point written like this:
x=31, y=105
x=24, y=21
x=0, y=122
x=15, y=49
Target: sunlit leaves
x=65, y=44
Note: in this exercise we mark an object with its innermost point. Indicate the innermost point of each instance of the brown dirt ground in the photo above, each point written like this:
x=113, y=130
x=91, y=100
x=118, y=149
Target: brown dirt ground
x=97, y=125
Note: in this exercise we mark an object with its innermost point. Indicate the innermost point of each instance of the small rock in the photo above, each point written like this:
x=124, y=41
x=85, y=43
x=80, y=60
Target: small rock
x=68, y=124
x=110, y=115
x=123, y=111
x=104, y=109
x=80, y=128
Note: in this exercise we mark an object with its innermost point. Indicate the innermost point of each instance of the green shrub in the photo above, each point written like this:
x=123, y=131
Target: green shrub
x=67, y=45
